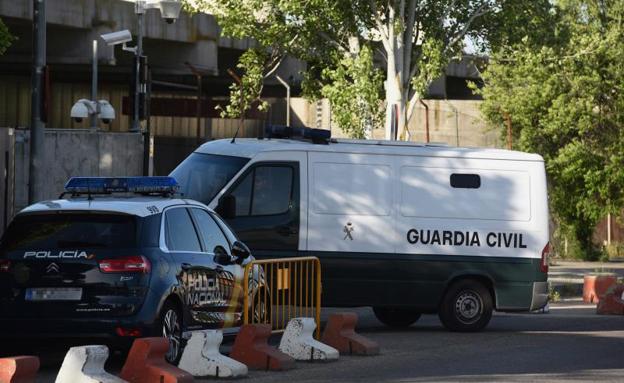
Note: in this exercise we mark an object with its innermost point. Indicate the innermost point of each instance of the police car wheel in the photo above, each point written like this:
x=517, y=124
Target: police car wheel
x=466, y=307
x=261, y=312
x=170, y=327
x=396, y=317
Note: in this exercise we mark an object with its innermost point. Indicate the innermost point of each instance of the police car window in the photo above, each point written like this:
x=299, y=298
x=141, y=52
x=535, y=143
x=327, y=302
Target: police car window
x=465, y=181
x=211, y=233
x=180, y=232
x=70, y=231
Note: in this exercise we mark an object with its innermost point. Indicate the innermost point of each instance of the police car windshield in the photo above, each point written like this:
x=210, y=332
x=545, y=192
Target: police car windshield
x=202, y=176
x=70, y=231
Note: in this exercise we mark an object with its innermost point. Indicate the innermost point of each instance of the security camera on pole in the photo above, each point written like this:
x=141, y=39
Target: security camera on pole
x=169, y=10
x=93, y=109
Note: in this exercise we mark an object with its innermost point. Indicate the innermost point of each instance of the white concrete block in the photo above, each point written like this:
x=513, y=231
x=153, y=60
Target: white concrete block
x=201, y=357
x=85, y=364
x=298, y=342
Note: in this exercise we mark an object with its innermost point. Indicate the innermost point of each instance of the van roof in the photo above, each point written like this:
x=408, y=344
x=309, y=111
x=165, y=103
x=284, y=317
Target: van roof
x=249, y=147
x=134, y=205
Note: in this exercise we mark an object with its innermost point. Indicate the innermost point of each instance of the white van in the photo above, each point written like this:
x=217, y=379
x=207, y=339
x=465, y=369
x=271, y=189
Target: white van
x=404, y=228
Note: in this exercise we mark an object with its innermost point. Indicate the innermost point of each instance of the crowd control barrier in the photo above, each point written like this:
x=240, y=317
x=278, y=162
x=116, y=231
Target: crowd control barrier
x=281, y=289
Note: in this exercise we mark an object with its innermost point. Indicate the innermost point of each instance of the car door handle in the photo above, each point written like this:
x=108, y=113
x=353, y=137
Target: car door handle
x=186, y=266
x=287, y=230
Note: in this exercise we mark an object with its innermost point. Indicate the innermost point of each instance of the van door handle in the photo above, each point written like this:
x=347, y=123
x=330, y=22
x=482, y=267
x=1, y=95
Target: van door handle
x=185, y=266
x=287, y=230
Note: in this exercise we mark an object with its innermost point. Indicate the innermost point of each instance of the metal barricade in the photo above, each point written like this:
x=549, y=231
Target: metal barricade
x=281, y=289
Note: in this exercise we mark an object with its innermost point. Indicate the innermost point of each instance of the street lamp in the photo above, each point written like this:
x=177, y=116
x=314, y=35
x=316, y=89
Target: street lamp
x=169, y=11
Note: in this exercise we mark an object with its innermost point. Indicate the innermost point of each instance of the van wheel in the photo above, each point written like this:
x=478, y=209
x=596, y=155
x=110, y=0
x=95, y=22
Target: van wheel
x=396, y=317
x=466, y=307
x=170, y=327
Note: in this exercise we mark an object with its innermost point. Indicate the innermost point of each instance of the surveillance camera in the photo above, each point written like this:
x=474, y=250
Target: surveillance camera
x=80, y=110
x=170, y=10
x=118, y=37
x=107, y=112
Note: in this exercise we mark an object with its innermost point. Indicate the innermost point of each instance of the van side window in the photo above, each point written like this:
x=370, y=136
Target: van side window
x=266, y=190
x=180, y=231
x=465, y=181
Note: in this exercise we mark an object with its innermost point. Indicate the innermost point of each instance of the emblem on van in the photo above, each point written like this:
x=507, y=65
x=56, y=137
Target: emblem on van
x=348, y=229
x=52, y=268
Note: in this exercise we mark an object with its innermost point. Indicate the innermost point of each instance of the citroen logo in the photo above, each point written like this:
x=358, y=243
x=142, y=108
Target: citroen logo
x=52, y=268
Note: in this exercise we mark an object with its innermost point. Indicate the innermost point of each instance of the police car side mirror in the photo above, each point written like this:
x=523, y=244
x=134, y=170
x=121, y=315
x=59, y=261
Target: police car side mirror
x=227, y=207
x=221, y=257
x=240, y=251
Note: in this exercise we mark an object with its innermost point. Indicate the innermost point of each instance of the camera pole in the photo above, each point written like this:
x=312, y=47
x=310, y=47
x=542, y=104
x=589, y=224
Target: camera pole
x=94, y=89
x=37, y=124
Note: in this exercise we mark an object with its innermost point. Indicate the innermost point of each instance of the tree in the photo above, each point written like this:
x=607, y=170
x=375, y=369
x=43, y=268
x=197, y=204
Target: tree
x=414, y=40
x=565, y=99
x=5, y=38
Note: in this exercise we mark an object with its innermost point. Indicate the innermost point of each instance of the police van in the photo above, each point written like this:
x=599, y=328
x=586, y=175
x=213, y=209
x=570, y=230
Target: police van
x=402, y=227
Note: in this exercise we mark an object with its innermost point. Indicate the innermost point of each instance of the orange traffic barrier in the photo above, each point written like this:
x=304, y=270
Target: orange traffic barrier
x=612, y=303
x=595, y=286
x=251, y=348
x=19, y=369
x=146, y=363
x=340, y=334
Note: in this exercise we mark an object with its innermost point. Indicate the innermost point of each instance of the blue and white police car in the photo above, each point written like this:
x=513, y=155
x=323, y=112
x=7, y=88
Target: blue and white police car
x=120, y=258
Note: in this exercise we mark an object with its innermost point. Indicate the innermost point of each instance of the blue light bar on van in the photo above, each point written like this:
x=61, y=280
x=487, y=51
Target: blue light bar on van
x=85, y=185
x=315, y=135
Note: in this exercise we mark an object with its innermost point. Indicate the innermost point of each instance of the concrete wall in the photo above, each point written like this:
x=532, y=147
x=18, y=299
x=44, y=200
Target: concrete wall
x=71, y=153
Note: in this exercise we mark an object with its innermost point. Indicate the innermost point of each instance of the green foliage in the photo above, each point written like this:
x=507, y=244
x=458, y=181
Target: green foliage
x=353, y=89
x=564, y=96
x=5, y=38
x=246, y=95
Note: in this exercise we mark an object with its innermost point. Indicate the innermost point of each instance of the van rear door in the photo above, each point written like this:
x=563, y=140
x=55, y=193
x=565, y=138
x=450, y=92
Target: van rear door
x=76, y=264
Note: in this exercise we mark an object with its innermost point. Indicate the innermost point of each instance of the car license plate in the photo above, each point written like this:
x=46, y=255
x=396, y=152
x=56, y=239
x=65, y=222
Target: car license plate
x=54, y=294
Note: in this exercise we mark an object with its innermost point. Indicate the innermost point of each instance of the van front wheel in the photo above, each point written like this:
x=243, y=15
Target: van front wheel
x=396, y=317
x=466, y=307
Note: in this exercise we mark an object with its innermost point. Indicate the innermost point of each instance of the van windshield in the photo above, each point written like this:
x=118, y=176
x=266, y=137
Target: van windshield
x=202, y=176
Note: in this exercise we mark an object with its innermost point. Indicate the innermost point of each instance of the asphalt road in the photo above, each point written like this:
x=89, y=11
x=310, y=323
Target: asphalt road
x=569, y=343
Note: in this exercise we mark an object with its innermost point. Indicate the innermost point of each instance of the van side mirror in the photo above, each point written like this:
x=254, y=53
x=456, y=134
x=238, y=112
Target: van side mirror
x=240, y=251
x=227, y=207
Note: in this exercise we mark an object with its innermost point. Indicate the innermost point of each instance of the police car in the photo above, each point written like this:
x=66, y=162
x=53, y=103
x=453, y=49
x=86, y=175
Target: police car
x=103, y=264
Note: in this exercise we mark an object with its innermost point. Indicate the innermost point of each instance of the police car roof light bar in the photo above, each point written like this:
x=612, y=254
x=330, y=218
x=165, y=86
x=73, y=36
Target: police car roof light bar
x=107, y=185
x=317, y=136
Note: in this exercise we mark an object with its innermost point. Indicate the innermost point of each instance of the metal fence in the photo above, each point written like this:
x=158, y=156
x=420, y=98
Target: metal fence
x=281, y=289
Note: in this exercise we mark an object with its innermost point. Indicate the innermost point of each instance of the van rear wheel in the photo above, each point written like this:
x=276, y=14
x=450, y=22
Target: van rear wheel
x=396, y=316
x=466, y=307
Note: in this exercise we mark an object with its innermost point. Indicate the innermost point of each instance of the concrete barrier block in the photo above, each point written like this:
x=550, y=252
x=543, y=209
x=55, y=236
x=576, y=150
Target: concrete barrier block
x=19, y=369
x=612, y=303
x=595, y=286
x=146, y=363
x=201, y=357
x=340, y=334
x=251, y=347
x=85, y=364
x=298, y=342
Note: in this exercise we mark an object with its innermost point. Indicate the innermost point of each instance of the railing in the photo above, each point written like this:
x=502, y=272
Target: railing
x=281, y=289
